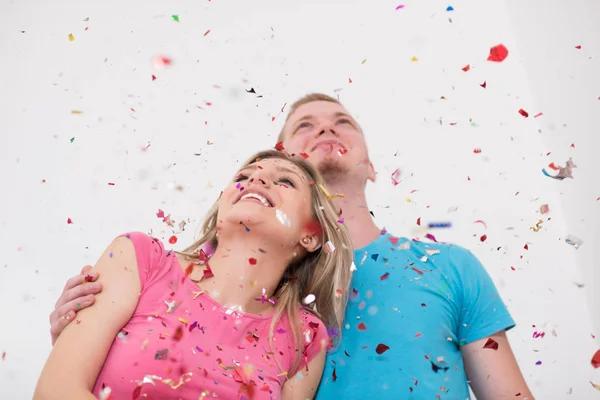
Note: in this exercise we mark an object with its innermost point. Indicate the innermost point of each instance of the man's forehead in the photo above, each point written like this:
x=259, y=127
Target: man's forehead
x=318, y=109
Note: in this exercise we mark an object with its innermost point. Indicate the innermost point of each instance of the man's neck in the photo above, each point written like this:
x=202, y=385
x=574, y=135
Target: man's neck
x=357, y=218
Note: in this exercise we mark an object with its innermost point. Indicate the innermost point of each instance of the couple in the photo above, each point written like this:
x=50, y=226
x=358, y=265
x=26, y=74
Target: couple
x=264, y=315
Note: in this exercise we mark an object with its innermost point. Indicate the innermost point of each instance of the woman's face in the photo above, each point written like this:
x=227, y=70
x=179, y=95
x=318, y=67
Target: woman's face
x=272, y=197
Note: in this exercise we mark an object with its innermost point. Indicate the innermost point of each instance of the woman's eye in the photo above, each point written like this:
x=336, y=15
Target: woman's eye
x=240, y=177
x=287, y=181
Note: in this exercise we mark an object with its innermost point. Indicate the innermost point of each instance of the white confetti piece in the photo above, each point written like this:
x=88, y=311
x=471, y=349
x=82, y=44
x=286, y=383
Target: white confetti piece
x=283, y=218
x=309, y=299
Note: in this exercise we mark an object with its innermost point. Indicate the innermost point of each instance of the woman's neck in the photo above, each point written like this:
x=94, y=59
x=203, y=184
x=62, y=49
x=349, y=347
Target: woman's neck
x=246, y=271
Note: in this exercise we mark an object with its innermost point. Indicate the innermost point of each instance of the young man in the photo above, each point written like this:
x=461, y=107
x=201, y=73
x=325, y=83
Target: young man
x=421, y=317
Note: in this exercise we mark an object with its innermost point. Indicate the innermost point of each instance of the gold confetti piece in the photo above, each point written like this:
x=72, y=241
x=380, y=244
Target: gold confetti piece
x=364, y=61
x=597, y=387
x=144, y=344
x=284, y=373
x=76, y=112
x=71, y=37
x=185, y=321
x=329, y=196
x=414, y=59
x=537, y=227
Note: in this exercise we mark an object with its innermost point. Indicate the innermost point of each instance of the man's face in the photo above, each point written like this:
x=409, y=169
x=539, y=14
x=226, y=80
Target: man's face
x=332, y=139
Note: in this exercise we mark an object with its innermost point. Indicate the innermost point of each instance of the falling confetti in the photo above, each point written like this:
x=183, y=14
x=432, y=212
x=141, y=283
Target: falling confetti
x=381, y=348
x=563, y=172
x=574, y=241
x=537, y=226
x=400, y=6
x=498, y=53
x=396, y=177
x=466, y=68
x=173, y=239
x=175, y=17
x=450, y=8
x=71, y=37
x=596, y=360
x=483, y=85
x=491, y=344
x=544, y=209
x=597, y=387
x=524, y=113
x=161, y=62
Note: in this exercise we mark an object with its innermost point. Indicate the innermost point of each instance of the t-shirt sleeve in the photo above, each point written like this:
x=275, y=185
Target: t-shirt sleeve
x=314, y=336
x=149, y=253
x=482, y=312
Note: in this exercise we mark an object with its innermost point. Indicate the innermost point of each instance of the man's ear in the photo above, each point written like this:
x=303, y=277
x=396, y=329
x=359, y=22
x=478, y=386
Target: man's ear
x=372, y=174
x=310, y=242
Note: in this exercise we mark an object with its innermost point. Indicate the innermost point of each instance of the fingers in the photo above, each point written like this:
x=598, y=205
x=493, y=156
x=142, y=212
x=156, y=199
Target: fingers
x=79, y=286
x=63, y=315
x=86, y=269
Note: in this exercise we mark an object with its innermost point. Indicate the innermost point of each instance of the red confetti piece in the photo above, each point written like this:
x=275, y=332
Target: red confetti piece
x=394, y=240
x=304, y=155
x=207, y=32
x=526, y=247
x=417, y=271
x=491, y=344
x=178, y=334
x=362, y=326
x=252, y=261
x=333, y=375
x=523, y=113
x=483, y=85
x=279, y=146
x=538, y=115
x=111, y=184
x=419, y=221
x=89, y=278
x=544, y=209
x=69, y=221
x=349, y=80
x=382, y=348
x=136, y=392
x=153, y=77
x=396, y=177
x=477, y=151
x=384, y=276
x=596, y=360
x=161, y=62
x=418, y=335
x=466, y=68
x=578, y=47
x=173, y=239
x=498, y=53
x=483, y=238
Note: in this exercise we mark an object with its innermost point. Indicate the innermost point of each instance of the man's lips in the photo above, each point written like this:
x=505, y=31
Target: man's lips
x=331, y=144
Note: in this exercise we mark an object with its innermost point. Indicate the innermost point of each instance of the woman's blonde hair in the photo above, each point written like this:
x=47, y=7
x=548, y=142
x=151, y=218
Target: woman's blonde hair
x=324, y=273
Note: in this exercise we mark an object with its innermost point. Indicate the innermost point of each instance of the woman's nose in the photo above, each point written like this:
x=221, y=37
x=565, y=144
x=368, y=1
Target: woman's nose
x=258, y=178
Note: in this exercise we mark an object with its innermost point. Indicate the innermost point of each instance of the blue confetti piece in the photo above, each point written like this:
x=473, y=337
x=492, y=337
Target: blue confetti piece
x=450, y=8
x=433, y=225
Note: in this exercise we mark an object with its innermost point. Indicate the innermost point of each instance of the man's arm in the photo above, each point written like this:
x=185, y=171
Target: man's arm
x=303, y=385
x=80, y=351
x=494, y=374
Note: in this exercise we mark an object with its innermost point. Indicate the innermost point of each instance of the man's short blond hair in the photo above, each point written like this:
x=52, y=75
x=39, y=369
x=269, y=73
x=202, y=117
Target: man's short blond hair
x=309, y=98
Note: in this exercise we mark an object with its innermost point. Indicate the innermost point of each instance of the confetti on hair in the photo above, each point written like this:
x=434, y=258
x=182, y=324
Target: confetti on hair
x=329, y=196
x=491, y=344
x=309, y=299
x=498, y=53
x=381, y=348
x=329, y=247
x=279, y=146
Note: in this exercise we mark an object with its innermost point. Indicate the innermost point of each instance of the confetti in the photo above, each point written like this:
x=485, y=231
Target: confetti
x=89, y=278
x=483, y=85
x=596, y=360
x=381, y=348
x=544, y=209
x=329, y=247
x=574, y=241
x=597, y=387
x=483, y=238
x=76, y=112
x=537, y=226
x=578, y=47
x=563, y=172
x=498, y=53
x=173, y=239
x=69, y=221
x=434, y=225
x=396, y=177
x=384, y=276
x=175, y=17
x=283, y=218
x=362, y=326
x=523, y=113
x=161, y=62
x=252, y=261
x=491, y=344
x=309, y=299
x=400, y=6
x=466, y=67
x=450, y=8
x=71, y=37
x=207, y=32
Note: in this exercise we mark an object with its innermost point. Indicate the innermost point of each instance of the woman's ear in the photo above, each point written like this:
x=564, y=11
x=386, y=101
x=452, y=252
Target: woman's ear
x=311, y=243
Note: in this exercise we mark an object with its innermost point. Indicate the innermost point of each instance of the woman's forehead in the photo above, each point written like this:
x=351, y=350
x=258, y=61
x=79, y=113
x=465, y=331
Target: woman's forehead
x=278, y=164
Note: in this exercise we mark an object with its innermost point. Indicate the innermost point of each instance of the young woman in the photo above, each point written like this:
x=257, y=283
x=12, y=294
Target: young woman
x=252, y=321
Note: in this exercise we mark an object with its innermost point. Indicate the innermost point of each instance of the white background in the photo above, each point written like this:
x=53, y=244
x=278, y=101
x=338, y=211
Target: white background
x=423, y=115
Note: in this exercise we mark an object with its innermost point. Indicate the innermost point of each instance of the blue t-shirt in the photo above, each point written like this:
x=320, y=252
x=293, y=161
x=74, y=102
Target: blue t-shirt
x=412, y=306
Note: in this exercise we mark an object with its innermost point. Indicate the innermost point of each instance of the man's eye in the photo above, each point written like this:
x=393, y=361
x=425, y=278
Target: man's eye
x=303, y=125
x=345, y=121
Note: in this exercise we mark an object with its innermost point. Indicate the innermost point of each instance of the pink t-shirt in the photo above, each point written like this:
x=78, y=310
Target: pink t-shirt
x=181, y=344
